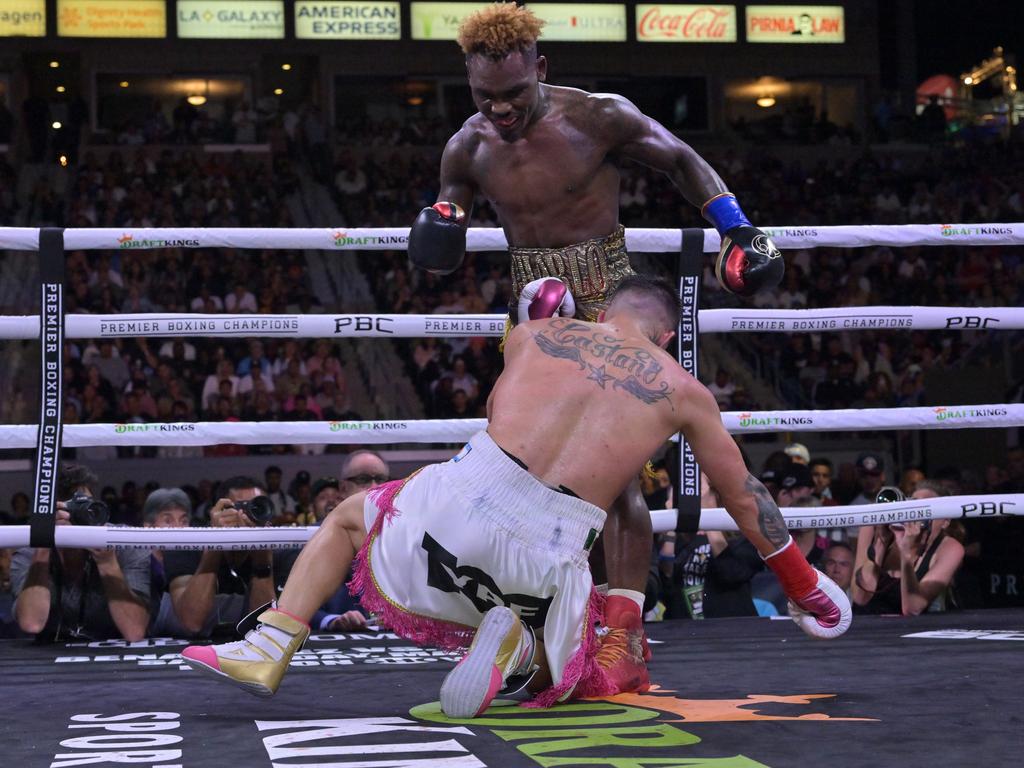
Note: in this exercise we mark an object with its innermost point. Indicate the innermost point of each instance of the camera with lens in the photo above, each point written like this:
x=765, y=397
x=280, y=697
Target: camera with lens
x=890, y=494
x=259, y=509
x=85, y=510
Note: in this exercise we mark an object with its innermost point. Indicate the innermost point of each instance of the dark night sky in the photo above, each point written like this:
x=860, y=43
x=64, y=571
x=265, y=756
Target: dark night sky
x=953, y=35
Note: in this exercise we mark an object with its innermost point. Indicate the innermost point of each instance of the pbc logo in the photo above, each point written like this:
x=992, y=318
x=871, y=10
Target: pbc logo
x=970, y=321
x=987, y=508
x=362, y=324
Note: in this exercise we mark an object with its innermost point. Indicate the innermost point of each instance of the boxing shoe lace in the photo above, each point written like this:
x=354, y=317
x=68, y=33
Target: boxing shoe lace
x=614, y=647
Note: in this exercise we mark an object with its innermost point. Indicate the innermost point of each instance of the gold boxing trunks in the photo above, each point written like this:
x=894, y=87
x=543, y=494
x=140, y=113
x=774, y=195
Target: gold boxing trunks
x=591, y=269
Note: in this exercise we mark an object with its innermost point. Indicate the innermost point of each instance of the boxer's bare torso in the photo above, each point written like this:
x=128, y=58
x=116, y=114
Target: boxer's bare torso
x=585, y=405
x=554, y=181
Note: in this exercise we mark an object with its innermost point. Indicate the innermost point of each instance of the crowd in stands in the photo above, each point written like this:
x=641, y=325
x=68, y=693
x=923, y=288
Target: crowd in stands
x=135, y=380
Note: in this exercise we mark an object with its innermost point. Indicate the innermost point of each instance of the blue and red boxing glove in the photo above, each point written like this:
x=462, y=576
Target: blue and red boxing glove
x=748, y=260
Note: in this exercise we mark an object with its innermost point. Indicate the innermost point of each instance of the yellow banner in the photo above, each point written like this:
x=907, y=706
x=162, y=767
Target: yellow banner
x=111, y=18
x=582, y=22
x=338, y=20
x=439, y=21
x=22, y=18
x=231, y=19
x=796, y=24
x=656, y=23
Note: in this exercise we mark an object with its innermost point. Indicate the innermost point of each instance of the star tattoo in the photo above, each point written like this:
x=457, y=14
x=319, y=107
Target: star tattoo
x=599, y=375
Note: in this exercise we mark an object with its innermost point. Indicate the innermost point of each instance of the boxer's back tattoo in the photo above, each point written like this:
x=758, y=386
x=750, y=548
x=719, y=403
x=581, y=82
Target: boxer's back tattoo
x=606, y=359
x=769, y=518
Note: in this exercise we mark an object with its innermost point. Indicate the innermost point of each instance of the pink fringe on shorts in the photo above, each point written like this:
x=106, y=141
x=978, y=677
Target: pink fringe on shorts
x=582, y=675
x=422, y=630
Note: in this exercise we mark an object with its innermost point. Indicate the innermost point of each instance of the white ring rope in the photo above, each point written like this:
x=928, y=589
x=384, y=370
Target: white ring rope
x=797, y=518
x=638, y=240
x=156, y=324
x=460, y=430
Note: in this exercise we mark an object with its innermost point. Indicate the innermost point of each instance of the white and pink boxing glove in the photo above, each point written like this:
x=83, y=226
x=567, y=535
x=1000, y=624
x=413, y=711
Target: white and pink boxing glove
x=544, y=298
x=816, y=603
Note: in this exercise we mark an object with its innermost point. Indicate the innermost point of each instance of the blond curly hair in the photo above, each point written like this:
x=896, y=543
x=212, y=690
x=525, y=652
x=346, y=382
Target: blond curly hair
x=498, y=30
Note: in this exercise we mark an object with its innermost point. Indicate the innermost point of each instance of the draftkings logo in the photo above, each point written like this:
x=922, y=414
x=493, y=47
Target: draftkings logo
x=790, y=231
x=343, y=240
x=367, y=426
x=757, y=420
x=943, y=413
x=948, y=230
x=128, y=242
x=121, y=429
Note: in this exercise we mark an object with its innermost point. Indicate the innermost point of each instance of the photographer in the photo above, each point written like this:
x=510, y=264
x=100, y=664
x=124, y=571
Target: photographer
x=213, y=589
x=907, y=567
x=93, y=594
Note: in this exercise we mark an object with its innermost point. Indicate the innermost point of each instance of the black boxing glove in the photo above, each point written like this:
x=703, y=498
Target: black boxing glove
x=437, y=239
x=748, y=260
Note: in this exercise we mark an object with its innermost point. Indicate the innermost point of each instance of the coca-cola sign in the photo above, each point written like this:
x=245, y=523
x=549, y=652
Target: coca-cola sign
x=657, y=23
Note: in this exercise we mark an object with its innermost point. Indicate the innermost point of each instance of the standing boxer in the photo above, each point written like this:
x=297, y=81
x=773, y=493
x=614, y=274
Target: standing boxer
x=547, y=157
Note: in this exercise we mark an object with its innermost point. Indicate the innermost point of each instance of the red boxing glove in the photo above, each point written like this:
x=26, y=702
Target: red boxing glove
x=543, y=298
x=816, y=603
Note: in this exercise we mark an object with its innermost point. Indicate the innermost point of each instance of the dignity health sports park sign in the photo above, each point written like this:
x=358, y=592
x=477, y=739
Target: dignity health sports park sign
x=658, y=23
x=112, y=18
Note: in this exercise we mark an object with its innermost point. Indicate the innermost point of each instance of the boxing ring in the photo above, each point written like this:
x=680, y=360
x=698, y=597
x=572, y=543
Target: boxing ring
x=354, y=715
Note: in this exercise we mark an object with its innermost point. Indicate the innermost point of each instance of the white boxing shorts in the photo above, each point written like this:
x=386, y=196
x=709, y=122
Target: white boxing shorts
x=456, y=539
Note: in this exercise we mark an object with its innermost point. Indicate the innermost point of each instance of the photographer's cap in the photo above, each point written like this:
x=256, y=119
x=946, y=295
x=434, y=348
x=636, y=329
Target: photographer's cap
x=872, y=463
x=796, y=475
x=798, y=451
x=165, y=498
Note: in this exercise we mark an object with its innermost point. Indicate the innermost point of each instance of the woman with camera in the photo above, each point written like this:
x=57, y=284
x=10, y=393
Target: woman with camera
x=908, y=567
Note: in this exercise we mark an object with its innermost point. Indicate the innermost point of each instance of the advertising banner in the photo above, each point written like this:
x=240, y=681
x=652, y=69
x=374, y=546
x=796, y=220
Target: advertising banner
x=229, y=19
x=795, y=24
x=582, y=22
x=338, y=20
x=439, y=21
x=658, y=23
x=111, y=18
x=22, y=18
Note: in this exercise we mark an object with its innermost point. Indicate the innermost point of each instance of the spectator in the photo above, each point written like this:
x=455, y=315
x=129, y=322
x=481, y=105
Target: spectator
x=722, y=388
x=870, y=477
x=821, y=475
x=911, y=476
x=241, y=299
x=164, y=508
x=907, y=568
x=838, y=564
x=92, y=594
x=212, y=590
x=342, y=612
x=363, y=469
x=284, y=507
x=798, y=453
x=20, y=511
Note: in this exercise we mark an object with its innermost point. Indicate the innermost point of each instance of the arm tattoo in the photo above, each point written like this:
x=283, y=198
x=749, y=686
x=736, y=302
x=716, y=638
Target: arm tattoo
x=627, y=368
x=769, y=519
